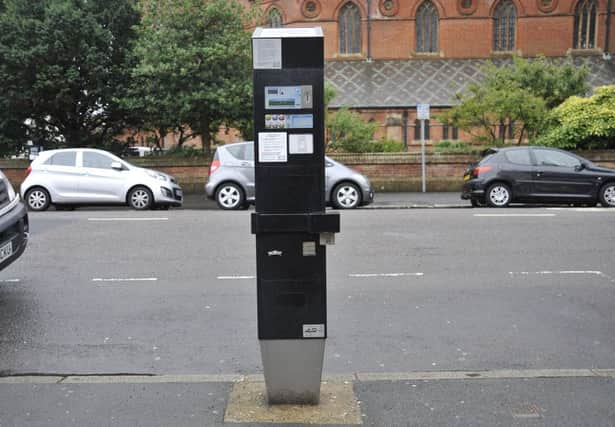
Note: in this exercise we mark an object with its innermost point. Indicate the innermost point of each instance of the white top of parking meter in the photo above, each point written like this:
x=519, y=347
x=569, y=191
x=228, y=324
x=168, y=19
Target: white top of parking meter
x=280, y=33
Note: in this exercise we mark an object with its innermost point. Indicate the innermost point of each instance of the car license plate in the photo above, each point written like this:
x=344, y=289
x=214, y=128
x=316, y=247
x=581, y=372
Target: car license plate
x=6, y=251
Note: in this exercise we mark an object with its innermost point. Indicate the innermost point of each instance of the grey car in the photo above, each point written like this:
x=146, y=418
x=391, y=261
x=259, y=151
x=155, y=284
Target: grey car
x=85, y=176
x=231, y=180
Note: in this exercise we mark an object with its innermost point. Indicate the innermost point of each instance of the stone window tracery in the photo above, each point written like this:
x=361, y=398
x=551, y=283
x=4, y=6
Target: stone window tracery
x=504, y=26
x=350, y=29
x=427, y=28
x=274, y=20
x=585, y=25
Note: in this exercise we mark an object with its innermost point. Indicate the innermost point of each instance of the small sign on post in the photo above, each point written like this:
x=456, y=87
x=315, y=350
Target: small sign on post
x=422, y=113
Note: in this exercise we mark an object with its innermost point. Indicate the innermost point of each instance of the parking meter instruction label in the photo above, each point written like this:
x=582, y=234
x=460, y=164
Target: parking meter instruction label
x=267, y=54
x=272, y=147
x=301, y=143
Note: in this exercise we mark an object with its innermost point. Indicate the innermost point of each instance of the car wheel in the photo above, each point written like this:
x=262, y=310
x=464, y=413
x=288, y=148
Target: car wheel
x=607, y=195
x=230, y=196
x=476, y=203
x=498, y=195
x=38, y=199
x=140, y=198
x=346, y=196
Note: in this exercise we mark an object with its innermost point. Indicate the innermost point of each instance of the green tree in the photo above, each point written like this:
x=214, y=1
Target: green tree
x=193, y=66
x=62, y=65
x=522, y=92
x=348, y=132
x=583, y=123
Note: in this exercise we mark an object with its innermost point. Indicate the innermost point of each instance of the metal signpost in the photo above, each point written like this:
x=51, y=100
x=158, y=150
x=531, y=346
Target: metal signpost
x=422, y=113
x=290, y=222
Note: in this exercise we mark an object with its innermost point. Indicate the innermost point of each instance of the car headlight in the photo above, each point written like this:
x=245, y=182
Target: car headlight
x=157, y=175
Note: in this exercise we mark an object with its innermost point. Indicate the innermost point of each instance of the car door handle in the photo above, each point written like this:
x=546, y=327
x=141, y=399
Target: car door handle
x=245, y=164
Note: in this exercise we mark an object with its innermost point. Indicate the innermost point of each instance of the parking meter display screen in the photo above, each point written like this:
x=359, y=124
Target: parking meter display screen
x=288, y=97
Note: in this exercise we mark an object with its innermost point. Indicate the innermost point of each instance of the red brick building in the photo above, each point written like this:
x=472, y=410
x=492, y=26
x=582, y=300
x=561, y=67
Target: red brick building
x=385, y=56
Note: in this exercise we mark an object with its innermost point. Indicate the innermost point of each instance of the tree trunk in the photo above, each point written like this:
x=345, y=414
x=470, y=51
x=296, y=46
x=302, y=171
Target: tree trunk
x=521, y=135
x=206, y=138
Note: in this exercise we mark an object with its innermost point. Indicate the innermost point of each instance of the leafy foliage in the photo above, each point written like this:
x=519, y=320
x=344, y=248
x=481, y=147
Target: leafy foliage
x=583, y=123
x=453, y=147
x=62, y=65
x=522, y=92
x=348, y=133
x=193, y=67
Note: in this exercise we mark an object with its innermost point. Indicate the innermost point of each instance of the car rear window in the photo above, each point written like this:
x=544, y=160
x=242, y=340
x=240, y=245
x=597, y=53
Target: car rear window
x=486, y=158
x=241, y=151
x=67, y=158
x=519, y=157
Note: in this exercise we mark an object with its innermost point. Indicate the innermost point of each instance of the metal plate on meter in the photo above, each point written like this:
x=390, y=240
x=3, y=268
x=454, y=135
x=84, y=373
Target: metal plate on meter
x=288, y=97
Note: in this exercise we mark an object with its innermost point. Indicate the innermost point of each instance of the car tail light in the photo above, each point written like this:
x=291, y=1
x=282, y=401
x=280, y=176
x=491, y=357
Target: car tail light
x=480, y=169
x=214, y=167
x=28, y=171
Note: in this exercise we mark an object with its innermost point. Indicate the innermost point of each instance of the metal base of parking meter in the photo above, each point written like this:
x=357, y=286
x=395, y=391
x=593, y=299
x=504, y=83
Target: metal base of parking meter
x=293, y=370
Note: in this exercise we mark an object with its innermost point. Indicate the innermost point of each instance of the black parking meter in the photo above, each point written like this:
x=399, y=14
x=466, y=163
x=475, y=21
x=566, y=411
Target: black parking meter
x=290, y=222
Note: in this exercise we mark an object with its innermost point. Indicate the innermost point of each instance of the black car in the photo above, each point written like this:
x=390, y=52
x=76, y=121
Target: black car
x=14, y=226
x=537, y=175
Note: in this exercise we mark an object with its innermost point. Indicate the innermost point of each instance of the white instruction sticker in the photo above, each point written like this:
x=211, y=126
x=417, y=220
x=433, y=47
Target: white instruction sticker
x=272, y=147
x=314, y=331
x=267, y=54
x=301, y=143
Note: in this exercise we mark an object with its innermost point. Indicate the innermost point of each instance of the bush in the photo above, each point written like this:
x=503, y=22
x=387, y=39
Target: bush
x=184, y=152
x=348, y=133
x=386, y=145
x=583, y=123
x=456, y=147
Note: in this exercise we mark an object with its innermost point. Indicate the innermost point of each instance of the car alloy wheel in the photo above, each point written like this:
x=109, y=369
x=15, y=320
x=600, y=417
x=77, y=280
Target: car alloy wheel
x=498, y=195
x=229, y=197
x=140, y=198
x=37, y=199
x=346, y=196
x=607, y=195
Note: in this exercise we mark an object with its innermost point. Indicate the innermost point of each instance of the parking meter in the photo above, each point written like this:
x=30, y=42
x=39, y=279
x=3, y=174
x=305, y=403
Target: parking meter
x=290, y=222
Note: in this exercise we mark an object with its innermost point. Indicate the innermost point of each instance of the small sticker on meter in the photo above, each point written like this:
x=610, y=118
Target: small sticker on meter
x=314, y=331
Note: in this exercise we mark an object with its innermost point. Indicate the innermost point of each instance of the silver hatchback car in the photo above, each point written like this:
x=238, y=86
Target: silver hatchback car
x=85, y=176
x=231, y=180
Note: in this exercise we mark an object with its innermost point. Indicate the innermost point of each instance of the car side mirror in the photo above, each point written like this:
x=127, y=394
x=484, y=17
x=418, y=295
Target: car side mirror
x=117, y=166
x=579, y=167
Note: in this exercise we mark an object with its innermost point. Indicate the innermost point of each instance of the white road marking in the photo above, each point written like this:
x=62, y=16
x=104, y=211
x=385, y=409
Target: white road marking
x=351, y=377
x=387, y=275
x=128, y=279
x=236, y=277
x=547, y=272
x=515, y=215
x=128, y=219
x=10, y=281
x=603, y=210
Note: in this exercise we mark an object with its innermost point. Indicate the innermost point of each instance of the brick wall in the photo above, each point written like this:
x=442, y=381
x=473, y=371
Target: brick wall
x=547, y=32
